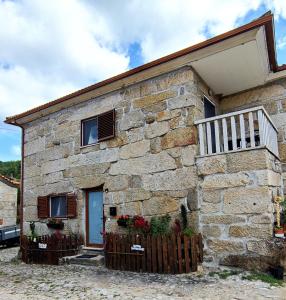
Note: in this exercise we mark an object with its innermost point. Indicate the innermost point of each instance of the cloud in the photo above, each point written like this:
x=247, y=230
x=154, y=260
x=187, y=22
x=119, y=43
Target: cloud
x=16, y=150
x=49, y=49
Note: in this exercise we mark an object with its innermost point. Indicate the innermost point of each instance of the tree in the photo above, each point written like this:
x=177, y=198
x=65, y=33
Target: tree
x=11, y=168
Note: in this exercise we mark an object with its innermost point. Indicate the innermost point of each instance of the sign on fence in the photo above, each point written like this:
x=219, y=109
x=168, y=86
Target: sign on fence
x=42, y=246
x=137, y=248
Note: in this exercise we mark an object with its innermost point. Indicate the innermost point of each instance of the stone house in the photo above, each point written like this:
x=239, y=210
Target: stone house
x=8, y=201
x=204, y=127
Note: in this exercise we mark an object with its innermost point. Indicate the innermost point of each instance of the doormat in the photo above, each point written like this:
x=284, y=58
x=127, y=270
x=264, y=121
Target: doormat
x=86, y=256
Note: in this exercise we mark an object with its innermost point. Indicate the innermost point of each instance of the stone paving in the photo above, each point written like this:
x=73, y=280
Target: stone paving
x=20, y=281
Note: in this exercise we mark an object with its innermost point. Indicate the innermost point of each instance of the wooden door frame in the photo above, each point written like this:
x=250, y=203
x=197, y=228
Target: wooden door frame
x=87, y=191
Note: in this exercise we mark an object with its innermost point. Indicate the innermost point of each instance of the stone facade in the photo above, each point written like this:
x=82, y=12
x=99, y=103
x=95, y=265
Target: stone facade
x=152, y=166
x=148, y=168
x=8, y=204
x=235, y=207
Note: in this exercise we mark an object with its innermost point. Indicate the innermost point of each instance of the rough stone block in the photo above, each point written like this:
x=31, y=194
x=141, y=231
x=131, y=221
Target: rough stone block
x=225, y=246
x=247, y=160
x=160, y=205
x=153, y=99
x=192, y=199
x=116, y=183
x=182, y=101
x=179, y=137
x=211, y=196
x=167, y=115
x=219, y=181
x=207, y=208
x=247, y=231
x=188, y=155
x=136, y=149
x=282, y=152
x=155, y=145
x=132, y=120
x=211, y=165
x=156, y=129
x=261, y=219
x=250, y=200
x=222, y=219
x=213, y=231
x=268, y=177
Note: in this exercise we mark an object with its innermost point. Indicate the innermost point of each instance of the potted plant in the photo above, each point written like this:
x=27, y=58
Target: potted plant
x=279, y=232
x=123, y=220
x=57, y=224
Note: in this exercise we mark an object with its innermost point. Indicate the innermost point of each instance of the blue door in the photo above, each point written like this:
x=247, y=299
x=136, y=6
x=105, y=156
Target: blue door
x=94, y=218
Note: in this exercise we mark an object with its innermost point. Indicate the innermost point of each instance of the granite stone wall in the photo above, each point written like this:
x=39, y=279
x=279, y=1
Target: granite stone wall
x=236, y=212
x=8, y=205
x=148, y=168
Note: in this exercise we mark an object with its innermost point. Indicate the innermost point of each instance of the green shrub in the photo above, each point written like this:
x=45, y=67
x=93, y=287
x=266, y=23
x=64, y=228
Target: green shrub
x=188, y=231
x=160, y=225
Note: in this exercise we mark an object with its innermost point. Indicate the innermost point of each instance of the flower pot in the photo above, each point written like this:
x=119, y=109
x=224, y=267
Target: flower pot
x=279, y=233
x=57, y=226
x=122, y=223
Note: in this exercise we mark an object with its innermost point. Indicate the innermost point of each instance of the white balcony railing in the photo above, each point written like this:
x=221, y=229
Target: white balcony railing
x=245, y=129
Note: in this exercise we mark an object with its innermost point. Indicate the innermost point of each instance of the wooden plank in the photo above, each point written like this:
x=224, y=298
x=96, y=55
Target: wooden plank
x=154, y=254
x=201, y=248
x=201, y=139
x=251, y=129
x=138, y=258
x=165, y=254
x=217, y=137
x=170, y=255
x=149, y=254
x=114, y=261
x=242, y=131
x=159, y=254
x=144, y=258
x=186, y=253
x=209, y=138
x=179, y=247
x=194, y=253
x=175, y=251
x=233, y=133
x=225, y=135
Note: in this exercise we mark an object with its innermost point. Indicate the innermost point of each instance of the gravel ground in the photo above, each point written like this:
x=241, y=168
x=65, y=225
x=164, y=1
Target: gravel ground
x=20, y=281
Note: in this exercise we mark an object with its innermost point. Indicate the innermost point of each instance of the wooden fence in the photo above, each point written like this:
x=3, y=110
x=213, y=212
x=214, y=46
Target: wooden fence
x=49, y=249
x=153, y=254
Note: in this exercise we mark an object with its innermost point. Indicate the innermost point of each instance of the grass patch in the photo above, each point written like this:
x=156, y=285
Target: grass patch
x=224, y=274
x=265, y=278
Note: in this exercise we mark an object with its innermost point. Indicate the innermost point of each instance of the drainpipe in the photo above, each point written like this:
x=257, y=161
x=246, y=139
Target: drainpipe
x=22, y=179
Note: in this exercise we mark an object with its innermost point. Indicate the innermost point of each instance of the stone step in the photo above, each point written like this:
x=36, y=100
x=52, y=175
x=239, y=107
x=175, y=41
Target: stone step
x=83, y=259
x=92, y=251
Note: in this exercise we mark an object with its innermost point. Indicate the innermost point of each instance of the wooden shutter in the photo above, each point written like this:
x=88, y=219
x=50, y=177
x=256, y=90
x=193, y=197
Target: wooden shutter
x=106, y=125
x=43, y=207
x=71, y=206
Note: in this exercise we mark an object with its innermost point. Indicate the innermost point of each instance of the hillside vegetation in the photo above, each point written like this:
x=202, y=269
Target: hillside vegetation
x=11, y=168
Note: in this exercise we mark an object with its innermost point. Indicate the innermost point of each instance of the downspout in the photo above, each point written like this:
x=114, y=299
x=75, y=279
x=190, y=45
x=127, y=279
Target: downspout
x=22, y=180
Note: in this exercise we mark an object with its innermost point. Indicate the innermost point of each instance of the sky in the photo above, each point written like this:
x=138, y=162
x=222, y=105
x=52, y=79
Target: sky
x=51, y=48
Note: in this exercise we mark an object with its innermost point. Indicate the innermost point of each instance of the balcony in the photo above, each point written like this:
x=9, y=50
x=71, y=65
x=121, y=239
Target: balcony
x=246, y=129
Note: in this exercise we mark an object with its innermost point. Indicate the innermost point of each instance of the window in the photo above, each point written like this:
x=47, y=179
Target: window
x=97, y=128
x=89, y=132
x=58, y=206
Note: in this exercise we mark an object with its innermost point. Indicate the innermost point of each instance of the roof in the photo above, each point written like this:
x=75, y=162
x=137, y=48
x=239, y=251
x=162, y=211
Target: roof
x=10, y=181
x=266, y=21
